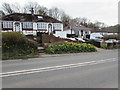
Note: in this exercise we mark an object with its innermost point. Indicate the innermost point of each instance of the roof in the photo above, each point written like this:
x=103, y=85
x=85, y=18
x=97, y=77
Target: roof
x=81, y=28
x=75, y=26
x=29, y=17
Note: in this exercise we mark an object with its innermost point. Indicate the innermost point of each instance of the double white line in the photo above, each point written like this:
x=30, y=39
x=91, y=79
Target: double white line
x=6, y=74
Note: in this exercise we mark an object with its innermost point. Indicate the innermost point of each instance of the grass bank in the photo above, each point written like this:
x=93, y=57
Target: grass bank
x=16, y=45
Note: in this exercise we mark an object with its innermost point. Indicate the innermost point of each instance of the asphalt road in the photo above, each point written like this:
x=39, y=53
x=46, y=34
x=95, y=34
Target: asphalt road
x=98, y=75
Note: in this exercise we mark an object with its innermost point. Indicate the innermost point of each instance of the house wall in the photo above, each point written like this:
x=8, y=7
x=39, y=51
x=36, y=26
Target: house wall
x=95, y=35
x=31, y=30
x=63, y=34
x=84, y=33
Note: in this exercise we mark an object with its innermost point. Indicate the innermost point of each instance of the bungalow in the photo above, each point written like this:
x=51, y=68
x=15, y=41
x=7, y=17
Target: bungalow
x=30, y=24
x=77, y=30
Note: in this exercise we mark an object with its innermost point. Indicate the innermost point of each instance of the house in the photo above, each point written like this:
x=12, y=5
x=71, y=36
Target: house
x=111, y=30
x=77, y=30
x=30, y=24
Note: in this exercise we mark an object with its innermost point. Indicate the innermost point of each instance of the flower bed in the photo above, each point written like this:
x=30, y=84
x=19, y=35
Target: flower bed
x=69, y=47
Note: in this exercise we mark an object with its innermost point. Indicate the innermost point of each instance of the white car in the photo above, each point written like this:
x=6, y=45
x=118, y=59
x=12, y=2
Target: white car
x=80, y=39
x=73, y=39
x=111, y=41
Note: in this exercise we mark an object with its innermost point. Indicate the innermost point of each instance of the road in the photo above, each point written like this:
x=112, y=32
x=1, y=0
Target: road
x=83, y=70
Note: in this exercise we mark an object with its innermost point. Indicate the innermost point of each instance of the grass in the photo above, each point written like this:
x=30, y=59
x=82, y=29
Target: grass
x=16, y=46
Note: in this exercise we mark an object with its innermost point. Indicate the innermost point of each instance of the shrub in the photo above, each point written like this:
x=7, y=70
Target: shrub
x=110, y=45
x=16, y=45
x=69, y=47
x=104, y=45
x=11, y=38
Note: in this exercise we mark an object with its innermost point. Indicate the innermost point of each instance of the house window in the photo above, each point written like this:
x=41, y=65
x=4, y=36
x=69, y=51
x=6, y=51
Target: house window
x=81, y=32
x=42, y=25
x=27, y=25
x=86, y=32
x=7, y=24
x=57, y=26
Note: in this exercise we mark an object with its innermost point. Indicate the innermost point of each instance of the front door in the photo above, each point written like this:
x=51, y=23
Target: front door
x=17, y=26
x=50, y=29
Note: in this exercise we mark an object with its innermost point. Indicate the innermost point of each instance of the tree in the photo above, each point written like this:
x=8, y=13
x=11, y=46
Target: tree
x=65, y=19
x=11, y=8
x=43, y=10
x=100, y=25
x=7, y=8
x=32, y=5
x=55, y=13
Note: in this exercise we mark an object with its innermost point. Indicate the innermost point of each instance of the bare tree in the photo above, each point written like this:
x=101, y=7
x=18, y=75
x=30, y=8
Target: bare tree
x=11, y=8
x=7, y=8
x=16, y=7
x=43, y=10
x=66, y=19
x=32, y=5
x=55, y=13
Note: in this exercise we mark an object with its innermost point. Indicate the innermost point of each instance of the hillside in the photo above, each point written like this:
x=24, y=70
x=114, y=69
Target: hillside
x=111, y=29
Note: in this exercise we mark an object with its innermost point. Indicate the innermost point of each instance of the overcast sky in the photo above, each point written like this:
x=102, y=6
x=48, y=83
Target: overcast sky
x=101, y=10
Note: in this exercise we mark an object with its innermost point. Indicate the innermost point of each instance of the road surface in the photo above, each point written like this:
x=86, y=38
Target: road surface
x=83, y=70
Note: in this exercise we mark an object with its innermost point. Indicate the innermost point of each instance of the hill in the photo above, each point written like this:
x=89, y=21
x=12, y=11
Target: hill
x=111, y=29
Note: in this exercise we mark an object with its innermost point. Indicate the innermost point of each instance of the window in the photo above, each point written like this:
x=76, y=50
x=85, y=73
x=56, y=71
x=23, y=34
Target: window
x=7, y=24
x=27, y=25
x=86, y=32
x=57, y=26
x=42, y=26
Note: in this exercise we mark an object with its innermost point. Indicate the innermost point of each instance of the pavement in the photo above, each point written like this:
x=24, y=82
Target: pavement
x=78, y=70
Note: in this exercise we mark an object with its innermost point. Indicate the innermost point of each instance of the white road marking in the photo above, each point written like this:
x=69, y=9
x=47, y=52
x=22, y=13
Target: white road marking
x=6, y=74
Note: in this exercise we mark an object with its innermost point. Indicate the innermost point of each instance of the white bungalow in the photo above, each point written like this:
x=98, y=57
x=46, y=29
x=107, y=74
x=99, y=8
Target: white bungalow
x=75, y=30
x=30, y=24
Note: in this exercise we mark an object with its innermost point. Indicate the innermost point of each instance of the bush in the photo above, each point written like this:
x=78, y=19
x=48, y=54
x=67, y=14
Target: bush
x=11, y=38
x=69, y=47
x=110, y=45
x=16, y=45
x=104, y=45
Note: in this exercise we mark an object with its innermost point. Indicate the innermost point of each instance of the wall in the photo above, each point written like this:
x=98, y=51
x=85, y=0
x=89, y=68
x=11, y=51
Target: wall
x=95, y=35
x=34, y=28
x=63, y=34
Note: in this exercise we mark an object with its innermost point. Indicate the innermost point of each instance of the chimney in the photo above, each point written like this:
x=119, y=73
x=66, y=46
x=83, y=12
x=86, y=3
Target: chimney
x=32, y=11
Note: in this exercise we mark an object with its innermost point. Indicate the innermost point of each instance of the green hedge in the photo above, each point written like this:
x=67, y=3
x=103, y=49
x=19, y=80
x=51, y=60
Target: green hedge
x=69, y=47
x=16, y=45
x=104, y=45
x=110, y=45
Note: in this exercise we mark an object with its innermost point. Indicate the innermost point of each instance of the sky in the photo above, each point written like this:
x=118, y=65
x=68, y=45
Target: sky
x=95, y=10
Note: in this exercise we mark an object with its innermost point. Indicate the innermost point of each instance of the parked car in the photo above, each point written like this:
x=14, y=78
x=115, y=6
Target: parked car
x=73, y=39
x=111, y=41
x=80, y=39
x=77, y=39
x=117, y=41
x=99, y=40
